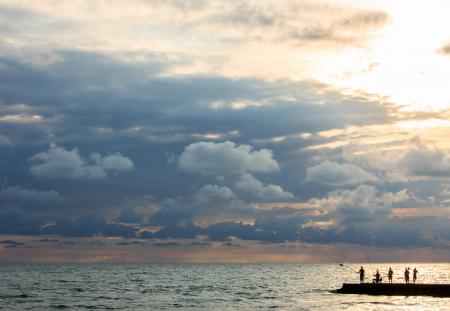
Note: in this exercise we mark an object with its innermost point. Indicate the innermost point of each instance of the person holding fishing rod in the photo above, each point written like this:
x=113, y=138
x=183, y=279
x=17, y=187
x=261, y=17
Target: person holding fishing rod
x=361, y=275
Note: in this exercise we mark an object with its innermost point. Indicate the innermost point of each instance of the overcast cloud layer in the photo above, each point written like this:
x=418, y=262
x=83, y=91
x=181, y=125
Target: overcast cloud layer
x=144, y=134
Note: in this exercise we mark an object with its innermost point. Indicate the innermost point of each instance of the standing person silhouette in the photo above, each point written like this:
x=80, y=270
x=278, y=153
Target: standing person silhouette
x=415, y=271
x=406, y=275
x=390, y=274
x=361, y=275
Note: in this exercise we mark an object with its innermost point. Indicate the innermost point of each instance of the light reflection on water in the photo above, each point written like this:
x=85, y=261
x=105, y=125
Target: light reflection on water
x=206, y=287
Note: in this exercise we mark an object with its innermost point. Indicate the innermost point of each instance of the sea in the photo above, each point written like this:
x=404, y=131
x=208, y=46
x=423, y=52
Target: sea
x=205, y=287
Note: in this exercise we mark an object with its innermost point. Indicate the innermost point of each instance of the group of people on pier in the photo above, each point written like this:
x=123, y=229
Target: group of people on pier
x=377, y=277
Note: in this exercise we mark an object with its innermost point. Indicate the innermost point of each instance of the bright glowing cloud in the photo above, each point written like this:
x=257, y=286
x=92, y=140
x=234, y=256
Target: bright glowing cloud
x=225, y=158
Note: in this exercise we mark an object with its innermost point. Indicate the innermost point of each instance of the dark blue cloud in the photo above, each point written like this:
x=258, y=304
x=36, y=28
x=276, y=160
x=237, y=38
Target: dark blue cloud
x=99, y=103
x=87, y=226
x=130, y=216
x=16, y=221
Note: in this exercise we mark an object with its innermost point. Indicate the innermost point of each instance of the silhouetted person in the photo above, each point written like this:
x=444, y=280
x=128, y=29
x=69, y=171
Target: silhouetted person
x=361, y=275
x=407, y=275
x=377, y=278
x=390, y=274
x=415, y=275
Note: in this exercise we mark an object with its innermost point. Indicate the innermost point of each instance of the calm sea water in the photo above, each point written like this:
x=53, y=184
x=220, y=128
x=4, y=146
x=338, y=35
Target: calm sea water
x=204, y=287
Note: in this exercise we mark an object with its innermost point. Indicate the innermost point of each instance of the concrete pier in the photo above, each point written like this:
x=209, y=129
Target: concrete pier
x=396, y=289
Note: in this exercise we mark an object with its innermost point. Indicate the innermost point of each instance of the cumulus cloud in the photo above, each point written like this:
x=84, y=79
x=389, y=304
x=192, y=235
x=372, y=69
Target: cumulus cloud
x=248, y=184
x=210, y=158
x=58, y=162
x=213, y=193
x=425, y=162
x=336, y=174
x=365, y=203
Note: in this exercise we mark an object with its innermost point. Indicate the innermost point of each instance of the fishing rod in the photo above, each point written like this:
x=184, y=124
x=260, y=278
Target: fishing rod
x=367, y=257
x=341, y=264
x=348, y=267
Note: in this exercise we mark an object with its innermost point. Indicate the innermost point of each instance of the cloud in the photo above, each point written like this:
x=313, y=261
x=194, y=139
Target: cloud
x=400, y=235
x=278, y=229
x=248, y=184
x=313, y=33
x=83, y=226
x=390, y=234
x=11, y=243
x=225, y=158
x=224, y=230
x=130, y=216
x=114, y=230
x=212, y=194
x=87, y=226
x=30, y=197
x=16, y=221
x=344, y=26
x=183, y=231
x=233, y=23
x=332, y=173
x=5, y=141
x=445, y=49
x=363, y=204
x=366, y=19
x=422, y=161
x=58, y=162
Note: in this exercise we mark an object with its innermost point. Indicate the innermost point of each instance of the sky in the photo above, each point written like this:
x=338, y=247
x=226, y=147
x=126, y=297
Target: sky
x=224, y=131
